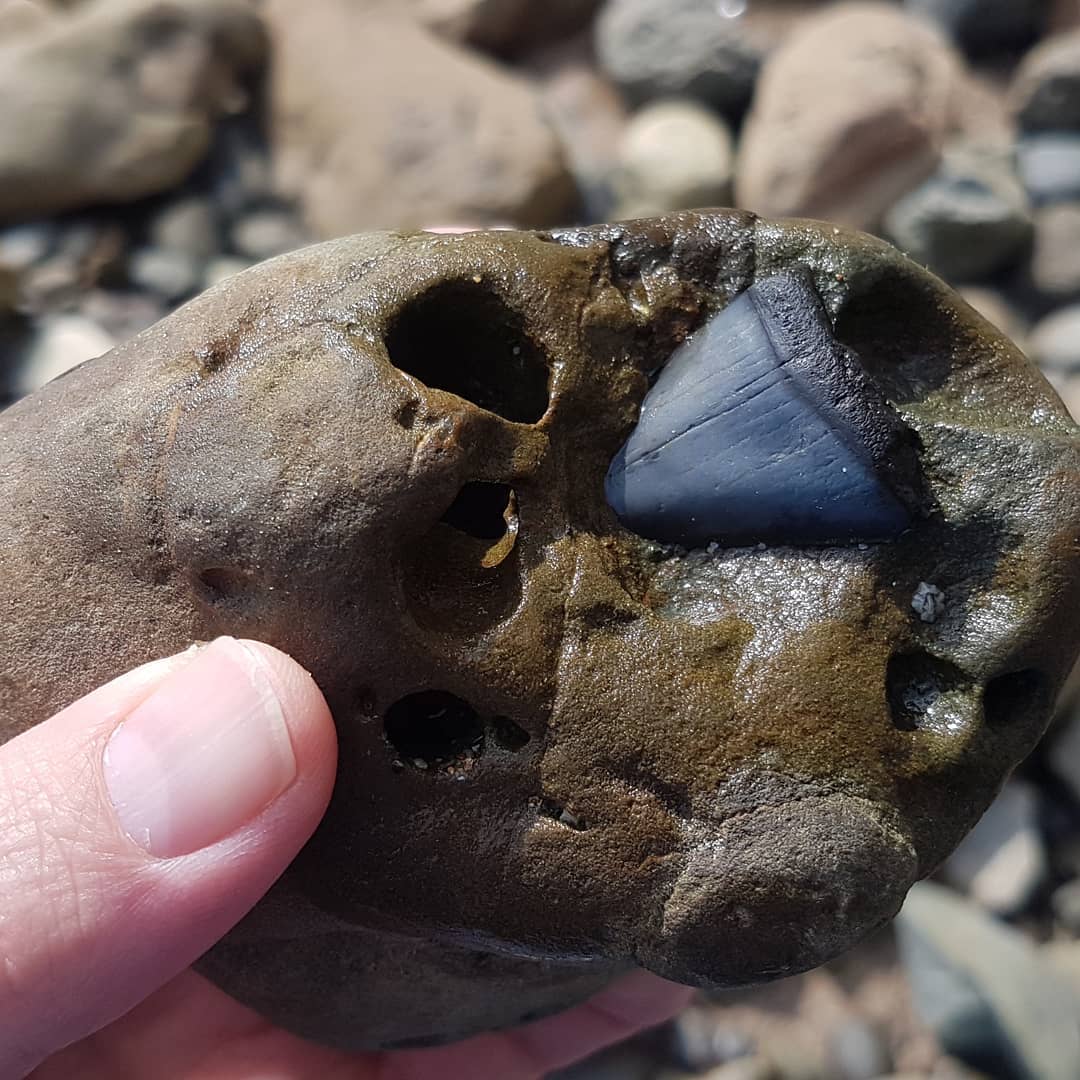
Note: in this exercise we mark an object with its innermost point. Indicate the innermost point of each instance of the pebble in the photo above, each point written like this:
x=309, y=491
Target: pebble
x=59, y=343
x=188, y=225
x=993, y=307
x=21, y=246
x=262, y=234
x=122, y=313
x=1063, y=753
x=758, y=1067
x=1049, y=166
x=1046, y=88
x=692, y=48
x=1055, y=259
x=1054, y=344
x=1065, y=903
x=857, y=1051
x=699, y=1041
x=870, y=130
x=1003, y=860
x=222, y=267
x=984, y=26
x=968, y=220
x=984, y=989
x=675, y=155
x=169, y=273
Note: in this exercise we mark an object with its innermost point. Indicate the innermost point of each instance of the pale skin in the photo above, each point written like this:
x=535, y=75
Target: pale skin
x=133, y=835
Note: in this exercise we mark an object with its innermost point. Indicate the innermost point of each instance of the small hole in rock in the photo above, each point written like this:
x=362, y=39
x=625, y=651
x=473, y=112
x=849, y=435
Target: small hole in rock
x=221, y=583
x=556, y=812
x=463, y=338
x=481, y=510
x=916, y=684
x=1015, y=697
x=434, y=729
x=509, y=735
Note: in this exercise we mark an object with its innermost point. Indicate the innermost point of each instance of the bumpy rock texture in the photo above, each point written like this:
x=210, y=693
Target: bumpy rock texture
x=565, y=749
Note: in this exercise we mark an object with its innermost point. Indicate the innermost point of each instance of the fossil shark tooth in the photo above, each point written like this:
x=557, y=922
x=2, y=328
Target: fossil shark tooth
x=763, y=427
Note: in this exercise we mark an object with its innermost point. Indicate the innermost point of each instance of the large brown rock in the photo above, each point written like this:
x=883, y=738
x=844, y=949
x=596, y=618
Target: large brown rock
x=565, y=749
x=118, y=99
x=378, y=123
x=851, y=113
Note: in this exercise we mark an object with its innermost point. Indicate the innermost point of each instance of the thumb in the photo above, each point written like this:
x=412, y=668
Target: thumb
x=141, y=823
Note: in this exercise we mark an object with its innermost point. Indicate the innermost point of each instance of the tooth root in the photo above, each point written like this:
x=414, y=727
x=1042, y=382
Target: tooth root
x=763, y=427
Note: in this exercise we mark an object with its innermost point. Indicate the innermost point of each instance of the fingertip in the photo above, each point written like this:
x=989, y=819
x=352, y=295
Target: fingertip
x=307, y=715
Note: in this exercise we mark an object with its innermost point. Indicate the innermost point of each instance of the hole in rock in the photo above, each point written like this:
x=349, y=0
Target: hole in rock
x=1015, y=698
x=482, y=510
x=463, y=338
x=899, y=335
x=508, y=734
x=433, y=728
x=917, y=685
x=222, y=583
x=557, y=812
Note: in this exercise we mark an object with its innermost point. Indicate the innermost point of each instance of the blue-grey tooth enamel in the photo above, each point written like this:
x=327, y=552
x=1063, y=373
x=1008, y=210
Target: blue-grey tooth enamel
x=763, y=427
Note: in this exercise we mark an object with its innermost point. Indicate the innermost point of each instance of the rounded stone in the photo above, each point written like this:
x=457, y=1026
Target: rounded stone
x=1055, y=258
x=967, y=221
x=1049, y=166
x=565, y=749
x=1055, y=341
x=675, y=155
x=1046, y=88
x=692, y=48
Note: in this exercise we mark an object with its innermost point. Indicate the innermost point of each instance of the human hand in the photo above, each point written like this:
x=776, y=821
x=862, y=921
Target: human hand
x=141, y=823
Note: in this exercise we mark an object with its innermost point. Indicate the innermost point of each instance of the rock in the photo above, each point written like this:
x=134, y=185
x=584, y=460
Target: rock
x=682, y=48
x=675, y=155
x=380, y=124
x=1054, y=344
x=507, y=27
x=1055, y=258
x=262, y=234
x=1049, y=166
x=1002, y=861
x=1065, y=903
x=1069, y=389
x=985, y=990
x=224, y=266
x=122, y=314
x=589, y=116
x=169, y=273
x=1046, y=88
x=968, y=220
x=59, y=343
x=985, y=26
x=189, y=225
x=21, y=246
x=385, y=455
x=884, y=96
x=758, y=1067
x=992, y=306
x=116, y=101
x=1064, y=751
x=858, y=1052
x=701, y=1040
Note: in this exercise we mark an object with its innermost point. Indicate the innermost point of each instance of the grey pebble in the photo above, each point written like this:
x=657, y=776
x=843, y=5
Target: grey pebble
x=172, y=275
x=856, y=1051
x=680, y=47
x=1049, y=167
x=188, y=225
x=262, y=234
x=968, y=220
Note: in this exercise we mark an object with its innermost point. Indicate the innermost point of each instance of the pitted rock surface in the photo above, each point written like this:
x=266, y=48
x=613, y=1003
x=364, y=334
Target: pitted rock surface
x=565, y=749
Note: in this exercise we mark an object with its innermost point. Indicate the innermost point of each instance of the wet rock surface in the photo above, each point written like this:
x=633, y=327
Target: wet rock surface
x=73, y=282
x=475, y=632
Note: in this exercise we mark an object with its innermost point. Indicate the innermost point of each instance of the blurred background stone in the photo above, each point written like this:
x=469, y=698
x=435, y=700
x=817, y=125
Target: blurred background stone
x=689, y=48
x=674, y=154
x=985, y=26
x=850, y=113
